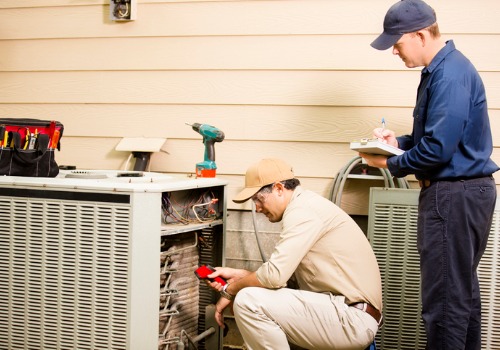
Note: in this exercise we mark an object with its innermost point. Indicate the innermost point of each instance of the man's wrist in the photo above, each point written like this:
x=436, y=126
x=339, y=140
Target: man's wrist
x=224, y=293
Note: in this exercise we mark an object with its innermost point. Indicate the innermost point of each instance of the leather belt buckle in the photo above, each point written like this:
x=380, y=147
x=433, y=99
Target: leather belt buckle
x=370, y=310
x=424, y=183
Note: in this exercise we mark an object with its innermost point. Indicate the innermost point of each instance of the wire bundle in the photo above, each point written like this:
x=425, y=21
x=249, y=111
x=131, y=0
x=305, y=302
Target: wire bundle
x=202, y=208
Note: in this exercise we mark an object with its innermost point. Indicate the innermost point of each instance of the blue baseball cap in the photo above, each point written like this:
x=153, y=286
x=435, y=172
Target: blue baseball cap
x=405, y=16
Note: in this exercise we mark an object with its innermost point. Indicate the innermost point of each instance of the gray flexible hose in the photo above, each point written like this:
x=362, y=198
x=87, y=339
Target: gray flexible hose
x=342, y=175
x=254, y=219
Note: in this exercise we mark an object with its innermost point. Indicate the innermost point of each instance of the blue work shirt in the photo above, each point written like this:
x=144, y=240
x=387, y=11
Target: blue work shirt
x=451, y=137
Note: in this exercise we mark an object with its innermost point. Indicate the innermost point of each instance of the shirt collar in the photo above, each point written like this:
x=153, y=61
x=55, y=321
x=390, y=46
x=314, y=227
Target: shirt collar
x=296, y=192
x=449, y=47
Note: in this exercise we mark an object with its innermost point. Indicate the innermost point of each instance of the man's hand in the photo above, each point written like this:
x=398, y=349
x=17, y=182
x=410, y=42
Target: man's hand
x=237, y=279
x=221, y=305
x=374, y=160
x=229, y=274
x=386, y=136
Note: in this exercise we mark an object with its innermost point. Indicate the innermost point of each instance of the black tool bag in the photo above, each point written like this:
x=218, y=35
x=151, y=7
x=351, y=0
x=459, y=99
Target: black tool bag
x=27, y=147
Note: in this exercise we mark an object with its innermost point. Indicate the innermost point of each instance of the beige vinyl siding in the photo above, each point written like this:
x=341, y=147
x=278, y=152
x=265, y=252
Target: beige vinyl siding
x=294, y=79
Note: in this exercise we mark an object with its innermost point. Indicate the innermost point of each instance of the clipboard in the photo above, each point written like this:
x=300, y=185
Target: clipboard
x=375, y=146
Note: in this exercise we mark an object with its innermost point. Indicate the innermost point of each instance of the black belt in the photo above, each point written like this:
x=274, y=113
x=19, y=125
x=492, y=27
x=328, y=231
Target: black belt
x=426, y=183
x=370, y=310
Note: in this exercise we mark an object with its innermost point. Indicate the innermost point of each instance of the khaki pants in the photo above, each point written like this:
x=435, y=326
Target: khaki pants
x=268, y=319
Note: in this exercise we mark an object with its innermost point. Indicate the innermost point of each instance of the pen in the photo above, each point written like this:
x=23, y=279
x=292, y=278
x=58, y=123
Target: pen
x=383, y=124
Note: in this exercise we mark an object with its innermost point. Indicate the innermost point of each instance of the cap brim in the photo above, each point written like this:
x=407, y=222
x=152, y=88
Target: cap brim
x=246, y=194
x=385, y=41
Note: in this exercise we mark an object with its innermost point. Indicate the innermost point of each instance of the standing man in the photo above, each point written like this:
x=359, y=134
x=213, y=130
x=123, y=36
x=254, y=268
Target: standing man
x=338, y=302
x=449, y=152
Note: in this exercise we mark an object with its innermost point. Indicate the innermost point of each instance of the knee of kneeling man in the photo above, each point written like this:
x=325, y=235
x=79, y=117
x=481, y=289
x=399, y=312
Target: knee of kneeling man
x=247, y=297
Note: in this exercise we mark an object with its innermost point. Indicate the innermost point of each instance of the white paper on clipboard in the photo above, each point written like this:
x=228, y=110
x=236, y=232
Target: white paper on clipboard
x=375, y=146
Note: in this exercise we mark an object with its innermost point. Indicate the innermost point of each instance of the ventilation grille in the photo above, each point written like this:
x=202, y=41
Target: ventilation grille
x=392, y=231
x=179, y=289
x=211, y=247
x=64, y=274
x=489, y=283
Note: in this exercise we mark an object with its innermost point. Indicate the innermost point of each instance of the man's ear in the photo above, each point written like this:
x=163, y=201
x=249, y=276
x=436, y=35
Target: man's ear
x=422, y=35
x=280, y=187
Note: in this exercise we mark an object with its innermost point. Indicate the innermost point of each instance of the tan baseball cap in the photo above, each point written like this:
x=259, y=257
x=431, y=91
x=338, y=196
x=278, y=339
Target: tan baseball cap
x=262, y=173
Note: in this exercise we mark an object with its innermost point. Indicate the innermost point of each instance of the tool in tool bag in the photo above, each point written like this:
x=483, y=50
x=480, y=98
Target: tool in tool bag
x=27, y=147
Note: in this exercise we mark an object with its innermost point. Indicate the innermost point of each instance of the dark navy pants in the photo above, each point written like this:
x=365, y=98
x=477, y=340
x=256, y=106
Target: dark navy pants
x=454, y=221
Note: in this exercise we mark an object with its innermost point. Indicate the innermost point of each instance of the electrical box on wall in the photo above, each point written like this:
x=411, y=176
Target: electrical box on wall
x=123, y=10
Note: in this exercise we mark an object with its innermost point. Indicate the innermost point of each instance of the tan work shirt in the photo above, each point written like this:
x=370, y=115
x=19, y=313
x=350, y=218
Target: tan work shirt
x=325, y=249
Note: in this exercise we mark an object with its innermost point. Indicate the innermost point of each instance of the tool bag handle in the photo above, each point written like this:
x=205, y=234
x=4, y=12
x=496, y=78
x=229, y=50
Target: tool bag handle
x=26, y=156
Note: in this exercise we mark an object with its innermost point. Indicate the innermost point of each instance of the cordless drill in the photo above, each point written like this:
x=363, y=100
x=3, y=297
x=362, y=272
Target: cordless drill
x=211, y=135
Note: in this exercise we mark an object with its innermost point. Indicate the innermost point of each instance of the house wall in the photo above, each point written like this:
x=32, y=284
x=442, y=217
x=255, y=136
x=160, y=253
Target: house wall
x=295, y=79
